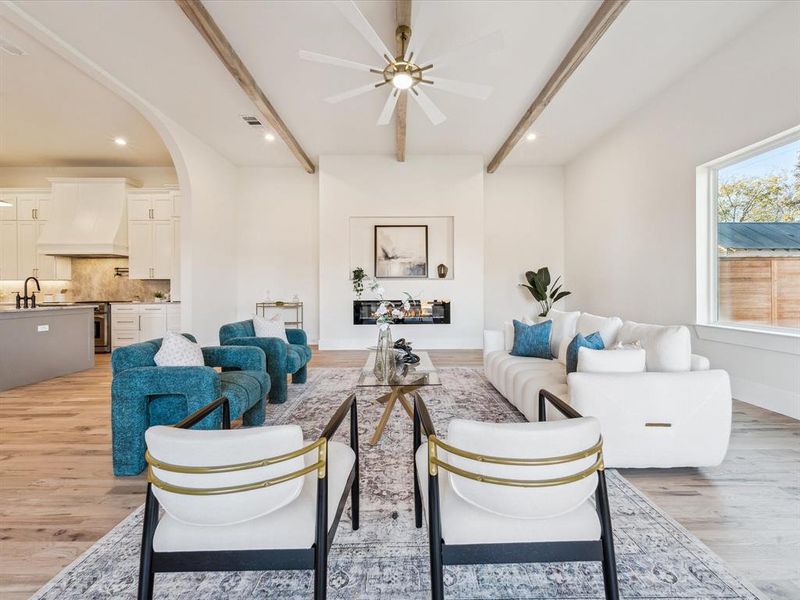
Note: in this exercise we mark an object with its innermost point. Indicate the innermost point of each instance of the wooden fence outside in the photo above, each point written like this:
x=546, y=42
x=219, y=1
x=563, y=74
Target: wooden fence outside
x=760, y=289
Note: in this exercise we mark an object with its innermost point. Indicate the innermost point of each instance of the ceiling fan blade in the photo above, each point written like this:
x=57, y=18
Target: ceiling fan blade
x=332, y=60
x=357, y=19
x=462, y=88
x=484, y=45
x=428, y=107
x=388, y=108
x=350, y=93
x=421, y=28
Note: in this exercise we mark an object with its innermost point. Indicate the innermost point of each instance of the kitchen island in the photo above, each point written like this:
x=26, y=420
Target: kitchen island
x=44, y=342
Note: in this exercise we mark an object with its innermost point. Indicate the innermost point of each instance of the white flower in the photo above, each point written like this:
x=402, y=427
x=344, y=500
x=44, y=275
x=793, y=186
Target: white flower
x=396, y=313
x=382, y=310
x=406, y=305
x=378, y=289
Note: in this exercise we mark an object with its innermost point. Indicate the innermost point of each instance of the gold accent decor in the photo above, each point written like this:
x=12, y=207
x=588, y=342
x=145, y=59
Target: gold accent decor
x=321, y=445
x=434, y=463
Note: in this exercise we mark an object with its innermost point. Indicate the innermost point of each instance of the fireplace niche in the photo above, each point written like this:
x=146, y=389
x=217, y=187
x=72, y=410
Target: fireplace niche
x=423, y=312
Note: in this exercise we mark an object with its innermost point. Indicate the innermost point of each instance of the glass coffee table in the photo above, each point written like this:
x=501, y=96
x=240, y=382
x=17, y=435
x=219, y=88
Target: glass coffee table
x=405, y=382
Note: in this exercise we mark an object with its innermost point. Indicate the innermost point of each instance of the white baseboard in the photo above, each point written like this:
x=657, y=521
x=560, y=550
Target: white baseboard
x=765, y=396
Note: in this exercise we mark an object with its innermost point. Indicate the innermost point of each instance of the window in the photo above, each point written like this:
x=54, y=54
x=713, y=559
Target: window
x=754, y=236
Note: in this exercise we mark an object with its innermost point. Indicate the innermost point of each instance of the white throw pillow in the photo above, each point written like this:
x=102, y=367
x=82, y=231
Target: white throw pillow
x=272, y=327
x=564, y=327
x=626, y=360
x=669, y=348
x=608, y=327
x=508, y=335
x=177, y=351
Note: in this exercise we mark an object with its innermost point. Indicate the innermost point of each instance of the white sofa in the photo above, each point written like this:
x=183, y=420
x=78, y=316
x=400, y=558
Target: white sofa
x=677, y=418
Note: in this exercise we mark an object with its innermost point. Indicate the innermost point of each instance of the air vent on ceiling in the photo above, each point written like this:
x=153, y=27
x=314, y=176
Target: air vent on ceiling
x=252, y=121
x=10, y=48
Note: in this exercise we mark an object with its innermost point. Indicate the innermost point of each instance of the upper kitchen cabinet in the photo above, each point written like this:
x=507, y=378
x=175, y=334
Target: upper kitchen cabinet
x=150, y=206
x=8, y=213
x=21, y=227
x=33, y=207
x=152, y=234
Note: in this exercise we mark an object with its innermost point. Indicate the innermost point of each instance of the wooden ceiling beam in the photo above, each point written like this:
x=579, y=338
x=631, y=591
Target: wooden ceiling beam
x=205, y=24
x=607, y=13
x=403, y=17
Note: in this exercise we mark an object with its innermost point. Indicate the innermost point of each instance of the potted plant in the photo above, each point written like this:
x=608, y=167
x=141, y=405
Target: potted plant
x=542, y=290
x=158, y=296
x=359, y=275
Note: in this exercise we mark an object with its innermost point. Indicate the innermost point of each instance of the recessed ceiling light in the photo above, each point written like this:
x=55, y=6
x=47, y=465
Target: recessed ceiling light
x=269, y=137
x=120, y=141
x=530, y=137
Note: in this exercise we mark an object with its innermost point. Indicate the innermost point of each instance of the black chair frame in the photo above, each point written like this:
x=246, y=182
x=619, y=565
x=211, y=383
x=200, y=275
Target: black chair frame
x=315, y=557
x=441, y=554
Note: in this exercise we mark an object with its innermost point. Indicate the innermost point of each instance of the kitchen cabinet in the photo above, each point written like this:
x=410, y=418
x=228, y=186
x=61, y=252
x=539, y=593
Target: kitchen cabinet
x=150, y=206
x=33, y=207
x=30, y=263
x=151, y=239
x=8, y=250
x=8, y=213
x=133, y=323
x=150, y=248
x=20, y=228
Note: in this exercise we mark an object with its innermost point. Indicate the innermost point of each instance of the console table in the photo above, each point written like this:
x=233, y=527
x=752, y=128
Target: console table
x=297, y=307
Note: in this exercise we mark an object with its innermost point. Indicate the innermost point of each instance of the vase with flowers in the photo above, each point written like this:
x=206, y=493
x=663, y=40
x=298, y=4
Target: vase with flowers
x=386, y=314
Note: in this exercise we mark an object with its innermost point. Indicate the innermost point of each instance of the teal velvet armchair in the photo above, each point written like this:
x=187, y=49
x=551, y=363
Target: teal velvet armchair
x=282, y=359
x=143, y=394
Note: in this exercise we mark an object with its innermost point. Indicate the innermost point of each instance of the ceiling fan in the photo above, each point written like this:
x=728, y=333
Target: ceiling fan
x=404, y=72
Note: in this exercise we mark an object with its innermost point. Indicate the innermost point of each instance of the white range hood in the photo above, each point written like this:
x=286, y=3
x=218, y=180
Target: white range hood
x=88, y=217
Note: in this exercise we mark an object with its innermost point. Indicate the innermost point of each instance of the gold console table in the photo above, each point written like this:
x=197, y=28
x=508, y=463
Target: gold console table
x=297, y=307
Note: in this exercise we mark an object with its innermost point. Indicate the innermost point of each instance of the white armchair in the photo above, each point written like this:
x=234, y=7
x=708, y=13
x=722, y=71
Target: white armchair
x=513, y=492
x=247, y=499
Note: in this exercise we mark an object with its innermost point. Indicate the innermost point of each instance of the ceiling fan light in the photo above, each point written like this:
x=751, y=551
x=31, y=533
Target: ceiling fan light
x=402, y=80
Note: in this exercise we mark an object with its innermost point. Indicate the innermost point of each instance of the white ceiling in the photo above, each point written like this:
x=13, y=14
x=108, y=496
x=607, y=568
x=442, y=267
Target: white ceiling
x=153, y=49
x=53, y=114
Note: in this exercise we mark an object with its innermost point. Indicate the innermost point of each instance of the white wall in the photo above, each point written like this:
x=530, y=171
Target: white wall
x=424, y=186
x=209, y=268
x=33, y=177
x=524, y=230
x=630, y=199
x=277, y=240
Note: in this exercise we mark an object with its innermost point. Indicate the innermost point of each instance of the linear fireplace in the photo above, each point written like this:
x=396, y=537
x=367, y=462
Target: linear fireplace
x=423, y=312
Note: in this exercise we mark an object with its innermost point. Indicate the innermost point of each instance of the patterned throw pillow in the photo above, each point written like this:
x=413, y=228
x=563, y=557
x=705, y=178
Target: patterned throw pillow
x=532, y=340
x=593, y=340
x=178, y=351
x=272, y=327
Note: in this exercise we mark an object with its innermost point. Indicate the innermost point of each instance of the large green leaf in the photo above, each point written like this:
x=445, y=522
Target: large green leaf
x=554, y=291
x=544, y=276
x=560, y=296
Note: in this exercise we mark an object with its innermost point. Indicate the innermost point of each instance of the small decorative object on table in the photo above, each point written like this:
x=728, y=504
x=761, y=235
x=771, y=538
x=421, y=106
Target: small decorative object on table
x=158, y=297
x=384, y=355
x=441, y=270
x=409, y=357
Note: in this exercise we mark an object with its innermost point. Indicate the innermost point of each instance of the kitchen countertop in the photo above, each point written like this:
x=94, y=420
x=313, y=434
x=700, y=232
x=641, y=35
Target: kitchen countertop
x=9, y=311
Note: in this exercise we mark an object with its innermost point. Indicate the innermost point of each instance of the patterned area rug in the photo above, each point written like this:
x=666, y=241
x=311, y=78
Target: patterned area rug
x=387, y=558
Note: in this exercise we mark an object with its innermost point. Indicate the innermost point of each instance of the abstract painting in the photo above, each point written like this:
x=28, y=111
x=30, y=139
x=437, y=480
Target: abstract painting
x=401, y=251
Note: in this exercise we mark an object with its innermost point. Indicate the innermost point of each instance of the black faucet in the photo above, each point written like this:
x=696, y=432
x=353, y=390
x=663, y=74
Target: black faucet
x=23, y=301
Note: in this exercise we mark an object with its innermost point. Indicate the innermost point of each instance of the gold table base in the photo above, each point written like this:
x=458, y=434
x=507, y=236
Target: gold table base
x=397, y=394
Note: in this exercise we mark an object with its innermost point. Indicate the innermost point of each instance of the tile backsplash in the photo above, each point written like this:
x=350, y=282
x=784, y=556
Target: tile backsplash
x=94, y=279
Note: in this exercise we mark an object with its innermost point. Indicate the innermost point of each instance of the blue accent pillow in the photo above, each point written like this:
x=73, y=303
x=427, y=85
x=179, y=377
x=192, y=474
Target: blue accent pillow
x=593, y=341
x=532, y=340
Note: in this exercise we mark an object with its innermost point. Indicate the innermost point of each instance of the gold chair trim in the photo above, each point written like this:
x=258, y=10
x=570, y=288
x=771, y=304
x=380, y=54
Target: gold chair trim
x=434, y=463
x=321, y=445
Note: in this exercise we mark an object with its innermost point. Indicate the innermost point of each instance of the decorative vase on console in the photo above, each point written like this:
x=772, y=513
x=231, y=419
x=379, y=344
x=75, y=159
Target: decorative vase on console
x=384, y=354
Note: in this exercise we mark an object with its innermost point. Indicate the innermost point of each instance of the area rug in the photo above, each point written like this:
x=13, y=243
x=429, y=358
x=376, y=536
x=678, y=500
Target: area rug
x=387, y=558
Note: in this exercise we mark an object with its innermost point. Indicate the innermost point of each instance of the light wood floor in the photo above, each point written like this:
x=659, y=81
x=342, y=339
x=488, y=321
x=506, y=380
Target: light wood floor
x=57, y=494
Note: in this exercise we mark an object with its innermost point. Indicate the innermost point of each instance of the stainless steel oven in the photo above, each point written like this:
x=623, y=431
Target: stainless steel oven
x=102, y=327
